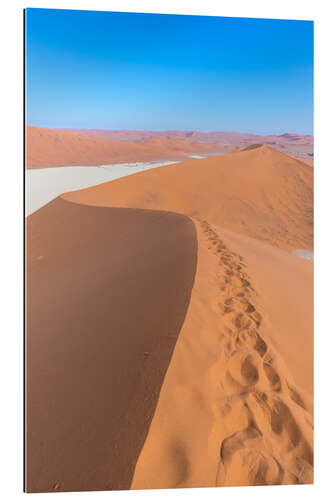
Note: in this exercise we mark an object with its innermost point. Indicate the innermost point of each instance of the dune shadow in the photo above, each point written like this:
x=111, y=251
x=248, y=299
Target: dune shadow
x=107, y=294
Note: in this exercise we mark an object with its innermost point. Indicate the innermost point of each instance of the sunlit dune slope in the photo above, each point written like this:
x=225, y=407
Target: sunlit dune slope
x=234, y=401
x=261, y=193
x=235, y=407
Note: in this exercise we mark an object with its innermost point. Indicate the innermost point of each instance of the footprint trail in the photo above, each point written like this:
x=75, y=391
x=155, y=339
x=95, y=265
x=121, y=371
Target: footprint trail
x=264, y=426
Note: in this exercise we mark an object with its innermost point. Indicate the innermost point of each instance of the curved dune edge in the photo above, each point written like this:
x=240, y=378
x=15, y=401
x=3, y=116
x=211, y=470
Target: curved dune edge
x=261, y=193
x=107, y=294
x=229, y=411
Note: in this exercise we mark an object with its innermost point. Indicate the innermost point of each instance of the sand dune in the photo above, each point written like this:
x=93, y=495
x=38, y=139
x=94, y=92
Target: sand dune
x=232, y=375
x=62, y=147
x=261, y=193
x=232, y=399
x=271, y=269
x=54, y=148
x=107, y=293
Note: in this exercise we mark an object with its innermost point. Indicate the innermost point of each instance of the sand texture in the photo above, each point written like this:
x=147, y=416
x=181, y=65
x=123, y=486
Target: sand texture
x=107, y=294
x=201, y=252
x=230, y=412
x=261, y=193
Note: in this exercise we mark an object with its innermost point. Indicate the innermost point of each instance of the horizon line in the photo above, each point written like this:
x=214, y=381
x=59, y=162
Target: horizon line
x=168, y=130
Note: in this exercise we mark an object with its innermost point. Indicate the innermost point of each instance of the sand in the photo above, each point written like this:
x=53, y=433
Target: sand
x=45, y=184
x=62, y=147
x=261, y=193
x=233, y=400
x=46, y=148
x=107, y=294
x=231, y=411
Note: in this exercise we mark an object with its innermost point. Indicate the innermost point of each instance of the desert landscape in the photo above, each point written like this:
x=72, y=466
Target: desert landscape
x=98, y=147
x=169, y=253
x=175, y=295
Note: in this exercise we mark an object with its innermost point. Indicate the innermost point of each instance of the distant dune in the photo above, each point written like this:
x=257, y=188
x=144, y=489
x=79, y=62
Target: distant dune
x=261, y=193
x=180, y=347
x=54, y=148
x=224, y=137
x=62, y=147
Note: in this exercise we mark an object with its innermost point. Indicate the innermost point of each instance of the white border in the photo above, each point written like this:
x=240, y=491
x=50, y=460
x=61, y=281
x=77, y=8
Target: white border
x=12, y=243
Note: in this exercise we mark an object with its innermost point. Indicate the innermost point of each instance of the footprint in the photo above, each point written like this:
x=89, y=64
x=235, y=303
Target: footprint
x=252, y=339
x=250, y=467
x=296, y=397
x=240, y=303
x=272, y=376
x=236, y=442
x=242, y=322
x=256, y=317
x=243, y=368
x=275, y=416
x=284, y=424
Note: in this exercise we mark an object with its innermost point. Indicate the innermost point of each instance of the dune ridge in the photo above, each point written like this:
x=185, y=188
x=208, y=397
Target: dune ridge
x=261, y=193
x=248, y=419
x=236, y=371
x=236, y=400
x=107, y=292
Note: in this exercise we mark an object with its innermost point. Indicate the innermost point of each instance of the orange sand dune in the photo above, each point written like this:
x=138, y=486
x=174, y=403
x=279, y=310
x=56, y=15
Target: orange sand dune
x=232, y=399
x=271, y=270
x=236, y=403
x=53, y=148
x=107, y=292
x=261, y=193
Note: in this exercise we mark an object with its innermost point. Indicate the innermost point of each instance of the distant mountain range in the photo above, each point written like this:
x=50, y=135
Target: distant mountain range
x=224, y=137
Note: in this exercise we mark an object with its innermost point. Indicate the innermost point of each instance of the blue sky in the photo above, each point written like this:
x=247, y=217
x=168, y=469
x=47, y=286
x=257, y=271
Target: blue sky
x=106, y=70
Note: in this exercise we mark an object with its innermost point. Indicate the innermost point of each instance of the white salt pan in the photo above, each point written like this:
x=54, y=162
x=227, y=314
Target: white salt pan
x=45, y=184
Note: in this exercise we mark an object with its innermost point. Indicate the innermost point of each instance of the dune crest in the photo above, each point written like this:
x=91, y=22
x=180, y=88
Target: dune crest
x=248, y=419
x=236, y=370
x=261, y=193
x=107, y=292
x=235, y=405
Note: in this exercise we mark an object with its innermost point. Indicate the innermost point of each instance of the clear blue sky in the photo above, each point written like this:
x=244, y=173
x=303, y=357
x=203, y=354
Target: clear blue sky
x=158, y=72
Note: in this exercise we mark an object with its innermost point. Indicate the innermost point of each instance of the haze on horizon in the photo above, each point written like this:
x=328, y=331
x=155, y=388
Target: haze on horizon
x=105, y=70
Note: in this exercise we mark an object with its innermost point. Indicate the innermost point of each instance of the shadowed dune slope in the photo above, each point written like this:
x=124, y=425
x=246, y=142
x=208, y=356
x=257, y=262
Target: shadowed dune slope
x=54, y=148
x=107, y=293
x=261, y=193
